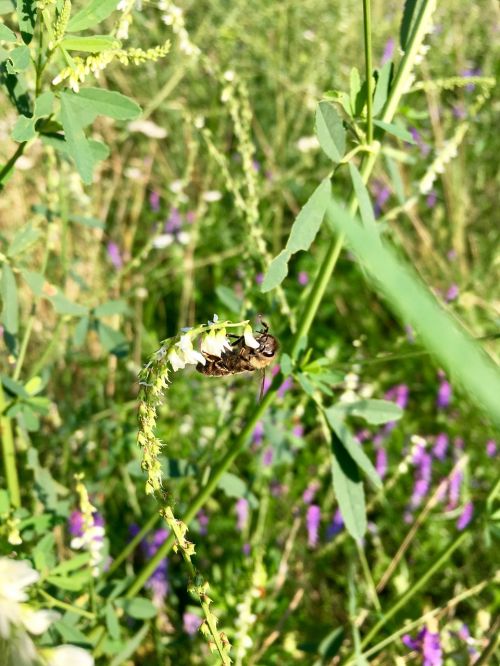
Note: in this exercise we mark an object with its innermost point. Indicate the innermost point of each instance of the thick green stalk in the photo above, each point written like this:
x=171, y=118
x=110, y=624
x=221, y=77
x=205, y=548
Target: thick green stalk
x=367, y=29
x=9, y=454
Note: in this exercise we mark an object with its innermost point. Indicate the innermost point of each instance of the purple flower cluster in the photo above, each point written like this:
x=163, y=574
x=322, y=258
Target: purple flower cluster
x=444, y=394
x=114, y=255
x=242, y=513
x=335, y=526
x=313, y=519
x=423, y=463
x=428, y=644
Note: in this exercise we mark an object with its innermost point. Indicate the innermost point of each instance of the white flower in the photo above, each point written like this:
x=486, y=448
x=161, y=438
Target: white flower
x=185, y=344
x=176, y=360
x=15, y=575
x=148, y=128
x=37, y=622
x=250, y=341
x=69, y=654
x=215, y=343
x=163, y=240
x=307, y=143
x=211, y=196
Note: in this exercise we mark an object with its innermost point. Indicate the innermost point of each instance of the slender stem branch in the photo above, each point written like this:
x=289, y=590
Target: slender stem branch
x=367, y=25
x=9, y=453
x=7, y=168
x=67, y=607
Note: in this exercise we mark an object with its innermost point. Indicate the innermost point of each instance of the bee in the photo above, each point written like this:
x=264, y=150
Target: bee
x=241, y=357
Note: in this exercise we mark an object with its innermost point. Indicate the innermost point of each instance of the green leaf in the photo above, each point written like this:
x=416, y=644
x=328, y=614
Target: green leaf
x=91, y=222
x=91, y=44
x=457, y=353
x=112, y=340
x=330, y=131
x=396, y=180
x=112, y=623
x=26, y=16
x=131, y=646
x=232, y=485
x=44, y=104
x=352, y=447
x=397, y=131
x=24, y=129
x=410, y=12
x=25, y=237
x=6, y=34
x=348, y=489
x=20, y=57
x=277, y=271
x=34, y=280
x=43, y=553
x=372, y=411
x=354, y=89
x=228, y=298
x=80, y=332
x=76, y=562
x=383, y=87
x=306, y=384
x=10, y=307
x=14, y=387
x=73, y=583
x=64, y=306
x=70, y=633
x=309, y=219
x=139, y=608
x=76, y=141
x=365, y=204
x=286, y=365
x=108, y=103
x=111, y=308
x=91, y=15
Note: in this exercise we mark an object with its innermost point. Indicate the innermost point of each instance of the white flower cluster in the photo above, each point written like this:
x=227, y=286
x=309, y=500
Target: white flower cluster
x=183, y=353
x=448, y=152
x=174, y=17
x=92, y=534
x=18, y=619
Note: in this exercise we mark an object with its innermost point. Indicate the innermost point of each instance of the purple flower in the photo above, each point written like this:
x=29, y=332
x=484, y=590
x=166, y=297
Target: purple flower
x=440, y=446
x=191, y=623
x=313, y=518
x=491, y=448
x=267, y=458
x=158, y=581
x=381, y=193
x=417, y=137
x=256, y=165
x=288, y=383
x=431, y=199
x=335, y=526
x=423, y=461
x=174, y=221
x=242, y=513
x=298, y=430
x=310, y=492
x=303, y=278
x=191, y=216
x=258, y=433
x=474, y=71
x=399, y=394
x=465, y=517
x=247, y=549
x=114, y=255
x=75, y=523
x=444, y=394
x=388, y=51
x=203, y=519
x=455, y=484
x=459, y=111
x=381, y=462
x=428, y=644
x=452, y=293
x=154, y=201
x=259, y=278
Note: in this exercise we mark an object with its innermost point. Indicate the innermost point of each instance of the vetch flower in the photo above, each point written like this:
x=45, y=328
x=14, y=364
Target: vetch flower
x=310, y=492
x=491, y=448
x=466, y=516
x=443, y=398
x=440, y=446
x=215, y=343
x=381, y=462
x=242, y=513
x=250, y=341
x=114, y=255
x=388, y=51
x=191, y=623
x=428, y=644
x=452, y=293
x=313, y=519
x=454, y=488
x=336, y=525
x=302, y=278
x=154, y=201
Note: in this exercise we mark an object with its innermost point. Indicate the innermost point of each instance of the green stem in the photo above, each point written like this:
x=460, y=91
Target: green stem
x=372, y=589
x=207, y=491
x=7, y=168
x=367, y=25
x=403, y=600
x=9, y=453
x=67, y=607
